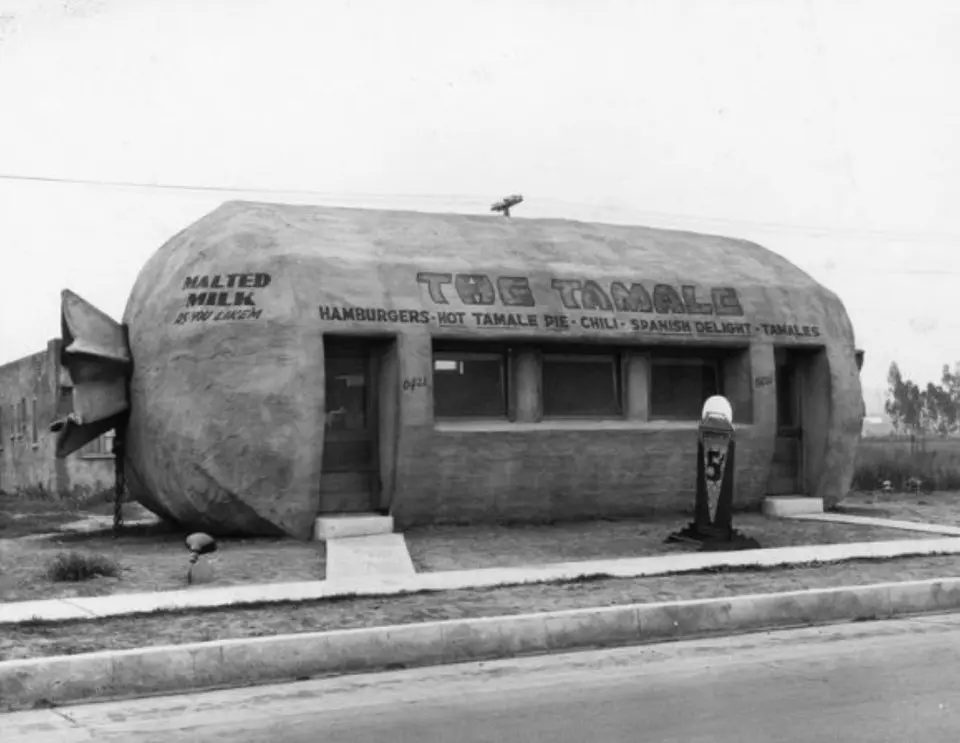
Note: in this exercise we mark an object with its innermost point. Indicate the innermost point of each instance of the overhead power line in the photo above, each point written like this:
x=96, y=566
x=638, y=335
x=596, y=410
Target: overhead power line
x=620, y=209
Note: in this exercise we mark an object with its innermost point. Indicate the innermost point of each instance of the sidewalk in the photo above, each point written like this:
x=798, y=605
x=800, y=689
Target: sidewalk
x=352, y=584
x=82, y=667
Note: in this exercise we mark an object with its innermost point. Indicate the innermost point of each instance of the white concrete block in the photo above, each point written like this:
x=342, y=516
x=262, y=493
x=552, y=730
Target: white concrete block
x=789, y=505
x=374, y=555
x=335, y=526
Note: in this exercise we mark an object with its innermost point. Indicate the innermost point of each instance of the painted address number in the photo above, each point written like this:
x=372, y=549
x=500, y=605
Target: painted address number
x=412, y=383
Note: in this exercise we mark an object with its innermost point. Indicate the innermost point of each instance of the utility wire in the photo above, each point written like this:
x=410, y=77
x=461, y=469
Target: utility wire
x=623, y=210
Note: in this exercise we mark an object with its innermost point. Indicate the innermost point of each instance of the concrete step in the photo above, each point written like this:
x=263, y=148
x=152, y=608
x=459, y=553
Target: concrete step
x=790, y=505
x=341, y=525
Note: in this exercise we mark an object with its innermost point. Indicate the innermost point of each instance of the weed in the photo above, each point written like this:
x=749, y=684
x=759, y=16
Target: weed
x=77, y=566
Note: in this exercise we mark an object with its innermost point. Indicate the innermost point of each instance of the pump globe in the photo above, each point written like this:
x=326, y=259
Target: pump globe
x=717, y=406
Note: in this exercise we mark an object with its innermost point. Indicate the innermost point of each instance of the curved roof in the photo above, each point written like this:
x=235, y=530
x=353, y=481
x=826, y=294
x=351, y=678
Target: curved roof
x=382, y=236
x=396, y=260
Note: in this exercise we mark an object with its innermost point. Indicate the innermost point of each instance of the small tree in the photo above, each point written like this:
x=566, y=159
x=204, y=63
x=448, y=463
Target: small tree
x=904, y=402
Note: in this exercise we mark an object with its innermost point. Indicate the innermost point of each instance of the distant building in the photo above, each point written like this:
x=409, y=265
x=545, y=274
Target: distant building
x=35, y=390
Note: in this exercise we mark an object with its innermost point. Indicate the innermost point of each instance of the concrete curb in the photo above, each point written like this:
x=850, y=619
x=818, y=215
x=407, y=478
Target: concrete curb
x=240, y=662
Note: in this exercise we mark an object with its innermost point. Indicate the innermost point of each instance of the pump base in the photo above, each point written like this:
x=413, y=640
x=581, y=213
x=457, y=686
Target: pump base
x=712, y=539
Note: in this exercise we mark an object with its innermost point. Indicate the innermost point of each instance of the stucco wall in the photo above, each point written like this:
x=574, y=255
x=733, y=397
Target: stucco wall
x=503, y=471
x=28, y=465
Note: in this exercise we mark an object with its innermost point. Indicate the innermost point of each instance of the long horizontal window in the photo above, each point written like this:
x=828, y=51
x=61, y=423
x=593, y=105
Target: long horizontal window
x=528, y=382
x=469, y=384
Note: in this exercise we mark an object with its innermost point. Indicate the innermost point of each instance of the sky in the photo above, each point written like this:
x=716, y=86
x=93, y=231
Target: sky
x=823, y=129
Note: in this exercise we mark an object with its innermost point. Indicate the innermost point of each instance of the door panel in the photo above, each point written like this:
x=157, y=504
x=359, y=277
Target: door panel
x=350, y=478
x=786, y=475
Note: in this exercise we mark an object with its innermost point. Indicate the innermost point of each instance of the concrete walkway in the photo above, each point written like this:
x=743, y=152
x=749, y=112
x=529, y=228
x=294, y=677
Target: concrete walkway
x=362, y=558
x=874, y=521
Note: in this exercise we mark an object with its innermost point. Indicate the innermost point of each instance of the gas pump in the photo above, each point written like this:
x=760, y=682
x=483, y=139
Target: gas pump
x=712, y=526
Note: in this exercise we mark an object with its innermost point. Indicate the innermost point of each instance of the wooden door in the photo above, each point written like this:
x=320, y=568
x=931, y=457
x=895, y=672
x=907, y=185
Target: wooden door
x=350, y=479
x=786, y=477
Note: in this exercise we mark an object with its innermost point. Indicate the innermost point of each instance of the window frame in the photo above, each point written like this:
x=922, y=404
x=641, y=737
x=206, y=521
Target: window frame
x=712, y=360
x=612, y=354
x=475, y=352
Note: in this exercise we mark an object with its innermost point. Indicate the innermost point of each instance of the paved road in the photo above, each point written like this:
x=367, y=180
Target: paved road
x=879, y=681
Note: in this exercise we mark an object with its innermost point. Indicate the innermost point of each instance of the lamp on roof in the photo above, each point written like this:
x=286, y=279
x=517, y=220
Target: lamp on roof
x=506, y=203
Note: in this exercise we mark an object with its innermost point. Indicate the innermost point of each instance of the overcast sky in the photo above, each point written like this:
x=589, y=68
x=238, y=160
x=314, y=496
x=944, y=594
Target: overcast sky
x=825, y=130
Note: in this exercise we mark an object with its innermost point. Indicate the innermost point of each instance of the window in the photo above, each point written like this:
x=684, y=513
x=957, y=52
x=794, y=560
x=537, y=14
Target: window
x=22, y=419
x=679, y=386
x=581, y=385
x=550, y=381
x=34, y=420
x=469, y=384
x=106, y=443
x=65, y=403
x=100, y=447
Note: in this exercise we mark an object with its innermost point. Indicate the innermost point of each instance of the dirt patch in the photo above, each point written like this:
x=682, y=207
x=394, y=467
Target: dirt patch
x=471, y=547
x=34, y=640
x=151, y=558
x=22, y=517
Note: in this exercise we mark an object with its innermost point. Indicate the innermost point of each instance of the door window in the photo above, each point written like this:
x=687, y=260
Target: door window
x=346, y=394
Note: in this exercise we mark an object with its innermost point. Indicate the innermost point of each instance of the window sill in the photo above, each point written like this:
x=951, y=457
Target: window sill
x=478, y=426
x=96, y=456
x=570, y=424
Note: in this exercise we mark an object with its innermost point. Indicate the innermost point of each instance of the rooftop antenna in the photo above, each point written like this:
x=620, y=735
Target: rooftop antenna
x=506, y=203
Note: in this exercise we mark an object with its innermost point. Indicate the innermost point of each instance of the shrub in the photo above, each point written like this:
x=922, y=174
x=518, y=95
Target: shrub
x=77, y=566
x=935, y=463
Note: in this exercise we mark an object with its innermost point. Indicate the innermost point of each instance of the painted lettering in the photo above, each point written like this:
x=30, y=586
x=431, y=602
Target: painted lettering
x=435, y=282
x=515, y=291
x=693, y=305
x=219, y=299
x=475, y=288
x=791, y=329
x=661, y=326
x=227, y=281
x=338, y=313
x=722, y=328
x=451, y=318
x=634, y=299
x=666, y=300
x=566, y=288
x=504, y=320
x=598, y=322
x=726, y=301
x=592, y=297
x=561, y=322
